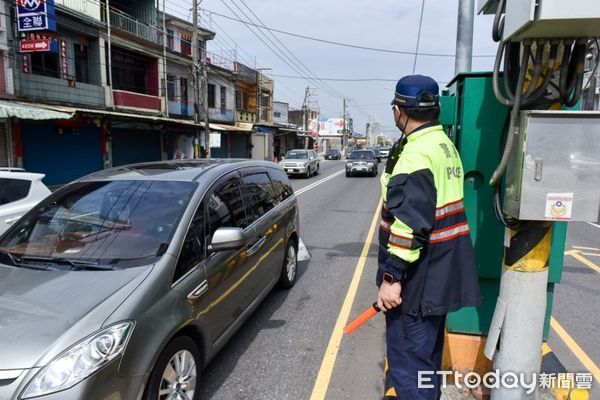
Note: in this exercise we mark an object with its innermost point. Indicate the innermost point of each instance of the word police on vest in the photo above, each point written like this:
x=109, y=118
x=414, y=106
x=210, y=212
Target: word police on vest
x=453, y=172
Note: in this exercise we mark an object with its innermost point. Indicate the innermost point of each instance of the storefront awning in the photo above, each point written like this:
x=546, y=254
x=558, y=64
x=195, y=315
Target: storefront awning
x=10, y=109
x=238, y=127
x=116, y=114
x=230, y=128
x=247, y=127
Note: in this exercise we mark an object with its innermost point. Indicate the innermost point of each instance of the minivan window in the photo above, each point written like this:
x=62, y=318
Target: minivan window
x=226, y=207
x=281, y=184
x=13, y=190
x=192, y=251
x=121, y=223
x=260, y=197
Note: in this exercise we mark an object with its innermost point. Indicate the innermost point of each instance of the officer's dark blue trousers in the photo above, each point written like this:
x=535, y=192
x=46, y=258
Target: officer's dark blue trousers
x=413, y=344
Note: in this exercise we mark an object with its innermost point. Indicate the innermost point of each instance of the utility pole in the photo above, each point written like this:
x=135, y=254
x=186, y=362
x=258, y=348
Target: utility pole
x=345, y=138
x=204, y=87
x=305, y=112
x=166, y=85
x=109, y=40
x=196, y=78
x=464, y=36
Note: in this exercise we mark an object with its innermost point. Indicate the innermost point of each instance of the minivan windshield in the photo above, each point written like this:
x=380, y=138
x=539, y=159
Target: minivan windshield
x=362, y=155
x=296, y=155
x=114, y=223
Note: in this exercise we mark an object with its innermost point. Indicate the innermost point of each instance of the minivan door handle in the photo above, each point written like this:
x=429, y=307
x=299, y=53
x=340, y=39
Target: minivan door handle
x=199, y=291
x=12, y=220
x=256, y=246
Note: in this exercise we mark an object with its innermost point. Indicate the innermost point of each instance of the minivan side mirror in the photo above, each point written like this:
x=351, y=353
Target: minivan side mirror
x=228, y=239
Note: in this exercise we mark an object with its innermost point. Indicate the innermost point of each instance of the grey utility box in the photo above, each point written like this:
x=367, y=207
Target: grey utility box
x=529, y=19
x=553, y=172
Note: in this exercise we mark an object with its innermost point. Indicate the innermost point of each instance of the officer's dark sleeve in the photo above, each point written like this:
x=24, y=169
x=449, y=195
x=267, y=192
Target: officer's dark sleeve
x=411, y=198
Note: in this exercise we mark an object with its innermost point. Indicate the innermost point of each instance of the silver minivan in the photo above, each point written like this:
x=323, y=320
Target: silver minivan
x=125, y=283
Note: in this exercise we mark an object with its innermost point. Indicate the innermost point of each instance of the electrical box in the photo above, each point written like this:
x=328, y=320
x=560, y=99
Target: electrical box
x=530, y=19
x=475, y=121
x=553, y=173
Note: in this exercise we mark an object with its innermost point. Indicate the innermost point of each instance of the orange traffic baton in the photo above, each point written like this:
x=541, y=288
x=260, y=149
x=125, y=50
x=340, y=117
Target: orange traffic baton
x=362, y=318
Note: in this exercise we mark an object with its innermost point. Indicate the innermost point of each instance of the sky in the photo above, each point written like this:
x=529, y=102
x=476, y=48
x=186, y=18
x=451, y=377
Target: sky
x=383, y=24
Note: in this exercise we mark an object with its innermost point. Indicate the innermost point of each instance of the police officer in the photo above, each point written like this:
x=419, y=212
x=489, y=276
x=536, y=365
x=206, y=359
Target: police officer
x=426, y=259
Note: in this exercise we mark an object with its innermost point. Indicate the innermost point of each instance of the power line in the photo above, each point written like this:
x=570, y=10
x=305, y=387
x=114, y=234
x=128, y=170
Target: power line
x=412, y=53
x=341, y=79
x=295, y=68
x=290, y=52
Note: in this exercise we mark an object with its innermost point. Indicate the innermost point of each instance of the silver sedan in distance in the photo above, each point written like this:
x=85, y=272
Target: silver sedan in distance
x=124, y=284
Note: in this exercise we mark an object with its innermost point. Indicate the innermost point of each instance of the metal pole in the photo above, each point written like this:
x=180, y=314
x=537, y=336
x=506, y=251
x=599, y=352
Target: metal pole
x=464, y=36
x=204, y=84
x=344, y=138
x=517, y=327
x=305, y=117
x=110, y=77
x=195, y=77
x=166, y=85
x=419, y=36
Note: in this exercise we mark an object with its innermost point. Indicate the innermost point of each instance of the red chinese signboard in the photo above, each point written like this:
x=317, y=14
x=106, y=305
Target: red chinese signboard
x=30, y=46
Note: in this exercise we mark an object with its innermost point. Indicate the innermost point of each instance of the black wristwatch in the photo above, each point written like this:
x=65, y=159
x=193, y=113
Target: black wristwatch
x=389, y=278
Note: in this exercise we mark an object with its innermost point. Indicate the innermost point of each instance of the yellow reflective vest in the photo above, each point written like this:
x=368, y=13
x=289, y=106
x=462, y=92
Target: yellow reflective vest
x=424, y=237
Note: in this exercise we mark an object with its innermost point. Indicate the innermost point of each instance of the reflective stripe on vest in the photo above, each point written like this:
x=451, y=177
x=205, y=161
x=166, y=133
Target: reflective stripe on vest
x=449, y=209
x=399, y=241
x=449, y=233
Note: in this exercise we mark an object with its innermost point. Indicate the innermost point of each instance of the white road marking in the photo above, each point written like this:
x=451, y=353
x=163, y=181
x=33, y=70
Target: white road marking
x=592, y=224
x=303, y=254
x=317, y=183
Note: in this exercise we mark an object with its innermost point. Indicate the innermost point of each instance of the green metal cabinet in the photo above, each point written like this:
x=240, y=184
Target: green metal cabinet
x=475, y=121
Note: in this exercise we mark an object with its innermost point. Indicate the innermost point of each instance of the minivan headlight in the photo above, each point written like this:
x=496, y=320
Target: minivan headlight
x=80, y=361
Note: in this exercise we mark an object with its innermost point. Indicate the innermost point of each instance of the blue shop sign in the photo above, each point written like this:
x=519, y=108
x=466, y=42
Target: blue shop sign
x=36, y=15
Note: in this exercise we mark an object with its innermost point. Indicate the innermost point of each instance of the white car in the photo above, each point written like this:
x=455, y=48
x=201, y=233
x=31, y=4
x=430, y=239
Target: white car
x=301, y=162
x=384, y=152
x=19, y=192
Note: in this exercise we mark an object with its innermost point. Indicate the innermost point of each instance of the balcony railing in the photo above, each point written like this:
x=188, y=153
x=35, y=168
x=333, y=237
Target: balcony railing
x=215, y=59
x=183, y=109
x=124, y=99
x=245, y=116
x=124, y=22
x=220, y=115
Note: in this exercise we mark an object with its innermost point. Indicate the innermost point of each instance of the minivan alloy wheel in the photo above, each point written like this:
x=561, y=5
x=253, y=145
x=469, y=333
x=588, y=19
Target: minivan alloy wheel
x=179, y=377
x=291, y=263
x=289, y=267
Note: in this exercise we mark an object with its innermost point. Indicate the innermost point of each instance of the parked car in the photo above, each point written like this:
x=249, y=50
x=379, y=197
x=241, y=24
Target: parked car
x=333, y=154
x=384, y=152
x=125, y=283
x=301, y=162
x=19, y=191
x=361, y=162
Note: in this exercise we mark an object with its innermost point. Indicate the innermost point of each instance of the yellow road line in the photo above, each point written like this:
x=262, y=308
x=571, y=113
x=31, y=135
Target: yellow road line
x=326, y=370
x=575, y=349
x=575, y=254
x=586, y=248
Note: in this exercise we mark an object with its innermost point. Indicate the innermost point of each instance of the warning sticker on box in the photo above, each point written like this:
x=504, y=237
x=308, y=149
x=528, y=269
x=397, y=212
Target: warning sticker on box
x=559, y=206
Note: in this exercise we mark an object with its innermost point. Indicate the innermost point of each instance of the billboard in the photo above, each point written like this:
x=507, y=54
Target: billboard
x=36, y=15
x=334, y=127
